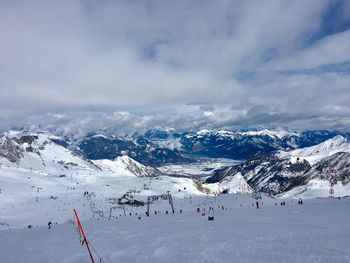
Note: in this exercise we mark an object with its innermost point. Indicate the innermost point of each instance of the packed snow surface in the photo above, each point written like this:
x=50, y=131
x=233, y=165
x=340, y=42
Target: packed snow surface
x=317, y=231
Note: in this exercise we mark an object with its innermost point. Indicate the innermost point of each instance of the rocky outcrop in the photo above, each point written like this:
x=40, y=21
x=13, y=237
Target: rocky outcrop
x=10, y=150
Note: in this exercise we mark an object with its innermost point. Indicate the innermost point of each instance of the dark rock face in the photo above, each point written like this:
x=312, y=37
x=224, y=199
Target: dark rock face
x=27, y=139
x=220, y=174
x=278, y=175
x=61, y=142
x=336, y=166
x=267, y=174
x=10, y=150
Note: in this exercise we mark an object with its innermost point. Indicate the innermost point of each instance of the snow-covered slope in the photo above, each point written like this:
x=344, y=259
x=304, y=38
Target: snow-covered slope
x=233, y=184
x=315, y=153
x=317, y=231
x=126, y=166
x=37, y=152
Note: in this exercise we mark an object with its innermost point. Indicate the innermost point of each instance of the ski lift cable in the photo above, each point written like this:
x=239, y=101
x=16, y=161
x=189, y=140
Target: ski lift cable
x=87, y=243
x=102, y=260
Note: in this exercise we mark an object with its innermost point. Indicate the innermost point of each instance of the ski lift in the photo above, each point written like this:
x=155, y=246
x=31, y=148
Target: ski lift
x=166, y=196
x=99, y=213
x=256, y=195
x=211, y=214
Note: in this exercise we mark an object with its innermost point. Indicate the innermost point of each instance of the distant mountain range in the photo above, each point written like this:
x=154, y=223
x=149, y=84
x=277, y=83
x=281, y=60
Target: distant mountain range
x=159, y=147
x=274, y=162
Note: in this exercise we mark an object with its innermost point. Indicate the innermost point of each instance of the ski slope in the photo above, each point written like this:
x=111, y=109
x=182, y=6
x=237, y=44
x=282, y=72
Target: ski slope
x=317, y=231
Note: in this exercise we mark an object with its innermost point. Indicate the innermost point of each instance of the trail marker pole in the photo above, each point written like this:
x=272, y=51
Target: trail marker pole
x=84, y=237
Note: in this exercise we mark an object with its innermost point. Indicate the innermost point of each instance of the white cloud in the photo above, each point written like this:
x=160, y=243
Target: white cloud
x=155, y=56
x=333, y=49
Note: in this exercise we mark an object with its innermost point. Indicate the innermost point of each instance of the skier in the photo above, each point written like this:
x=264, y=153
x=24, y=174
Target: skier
x=257, y=204
x=49, y=224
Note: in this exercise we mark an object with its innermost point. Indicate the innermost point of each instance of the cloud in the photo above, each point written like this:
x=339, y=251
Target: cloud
x=152, y=58
x=207, y=108
x=332, y=49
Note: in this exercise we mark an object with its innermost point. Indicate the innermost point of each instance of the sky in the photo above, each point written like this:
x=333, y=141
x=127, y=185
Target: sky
x=187, y=64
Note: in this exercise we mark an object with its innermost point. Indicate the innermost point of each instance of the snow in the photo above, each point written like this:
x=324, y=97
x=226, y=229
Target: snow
x=315, y=153
x=272, y=133
x=232, y=183
x=99, y=136
x=317, y=231
x=120, y=166
x=317, y=188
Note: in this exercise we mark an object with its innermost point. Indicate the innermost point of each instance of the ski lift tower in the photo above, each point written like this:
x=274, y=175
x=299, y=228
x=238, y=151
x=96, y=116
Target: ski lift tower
x=166, y=196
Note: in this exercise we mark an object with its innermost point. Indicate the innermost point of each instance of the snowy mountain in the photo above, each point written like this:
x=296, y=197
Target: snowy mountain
x=315, y=153
x=284, y=171
x=159, y=147
x=267, y=174
x=249, y=144
x=40, y=152
x=335, y=168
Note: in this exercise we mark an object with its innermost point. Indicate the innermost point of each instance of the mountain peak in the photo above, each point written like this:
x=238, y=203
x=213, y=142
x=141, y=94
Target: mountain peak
x=317, y=152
